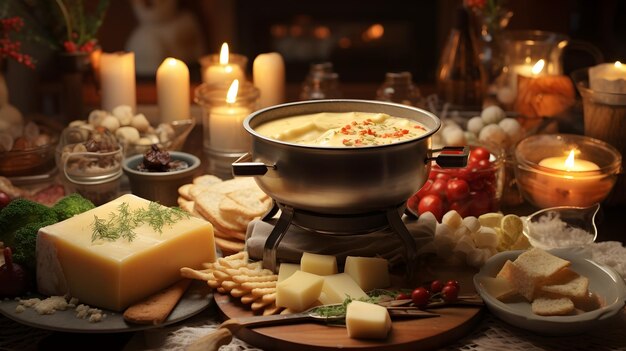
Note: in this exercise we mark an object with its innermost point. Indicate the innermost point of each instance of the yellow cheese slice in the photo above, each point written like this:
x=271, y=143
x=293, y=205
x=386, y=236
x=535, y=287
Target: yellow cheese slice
x=299, y=291
x=318, y=264
x=338, y=287
x=286, y=270
x=367, y=320
x=369, y=272
x=116, y=274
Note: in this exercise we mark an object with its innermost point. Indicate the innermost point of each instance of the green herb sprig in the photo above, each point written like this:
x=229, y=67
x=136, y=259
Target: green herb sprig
x=122, y=224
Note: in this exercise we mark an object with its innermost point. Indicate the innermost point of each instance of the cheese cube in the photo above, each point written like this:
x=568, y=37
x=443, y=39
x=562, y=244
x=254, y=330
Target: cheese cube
x=115, y=274
x=367, y=320
x=497, y=287
x=339, y=286
x=299, y=291
x=286, y=270
x=369, y=272
x=318, y=264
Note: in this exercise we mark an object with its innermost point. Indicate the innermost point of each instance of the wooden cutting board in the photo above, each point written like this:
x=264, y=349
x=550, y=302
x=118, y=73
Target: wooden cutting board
x=412, y=334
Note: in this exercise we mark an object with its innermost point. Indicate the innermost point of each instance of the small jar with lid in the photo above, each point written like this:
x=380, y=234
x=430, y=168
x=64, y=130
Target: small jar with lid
x=398, y=87
x=321, y=83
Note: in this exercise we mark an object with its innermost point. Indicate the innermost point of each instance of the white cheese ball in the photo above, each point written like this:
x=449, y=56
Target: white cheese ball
x=471, y=223
x=506, y=95
x=111, y=123
x=144, y=141
x=77, y=123
x=454, y=136
x=452, y=218
x=492, y=133
x=123, y=113
x=475, y=124
x=127, y=134
x=512, y=128
x=471, y=137
x=492, y=114
x=96, y=117
x=165, y=132
x=140, y=122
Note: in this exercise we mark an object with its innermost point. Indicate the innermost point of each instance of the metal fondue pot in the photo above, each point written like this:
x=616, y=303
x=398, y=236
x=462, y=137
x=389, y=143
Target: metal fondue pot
x=342, y=180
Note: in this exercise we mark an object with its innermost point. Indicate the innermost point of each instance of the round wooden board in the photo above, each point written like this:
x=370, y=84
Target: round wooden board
x=410, y=334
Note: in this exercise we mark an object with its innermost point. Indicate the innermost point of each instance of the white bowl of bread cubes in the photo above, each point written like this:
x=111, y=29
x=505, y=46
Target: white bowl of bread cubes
x=556, y=292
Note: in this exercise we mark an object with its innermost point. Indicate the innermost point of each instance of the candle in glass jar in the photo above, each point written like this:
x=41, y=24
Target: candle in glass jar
x=569, y=163
x=608, y=78
x=173, y=90
x=117, y=80
x=223, y=72
x=226, y=123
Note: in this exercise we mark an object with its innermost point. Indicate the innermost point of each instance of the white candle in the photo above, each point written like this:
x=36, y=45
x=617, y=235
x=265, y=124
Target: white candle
x=268, y=73
x=608, y=78
x=226, y=130
x=173, y=90
x=117, y=80
x=223, y=72
x=569, y=163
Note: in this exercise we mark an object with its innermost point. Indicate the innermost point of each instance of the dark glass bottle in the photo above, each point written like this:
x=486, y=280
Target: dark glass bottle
x=460, y=75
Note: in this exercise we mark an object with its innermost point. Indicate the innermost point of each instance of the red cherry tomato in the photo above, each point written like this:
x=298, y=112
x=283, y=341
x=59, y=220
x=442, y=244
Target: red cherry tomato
x=480, y=153
x=483, y=164
x=457, y=189
x=420, y=297
x=4, y=199
x=424, y=190
x=480, y=203
x=431, y=203
x=436, y=286
x=450, y=293
x=454, y=283
x=439, y=187
x=403, y=296
x=441, y=175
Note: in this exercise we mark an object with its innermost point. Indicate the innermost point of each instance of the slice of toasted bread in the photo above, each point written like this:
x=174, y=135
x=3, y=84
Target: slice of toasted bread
x=544, y=306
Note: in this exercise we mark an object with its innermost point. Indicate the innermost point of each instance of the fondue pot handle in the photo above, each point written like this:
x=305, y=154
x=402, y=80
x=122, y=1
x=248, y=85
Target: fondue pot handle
x=451, y=160
x=244, y=167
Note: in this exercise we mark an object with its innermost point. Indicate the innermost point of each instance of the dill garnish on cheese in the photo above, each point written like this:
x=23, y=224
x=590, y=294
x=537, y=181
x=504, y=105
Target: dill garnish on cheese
x=122, y=224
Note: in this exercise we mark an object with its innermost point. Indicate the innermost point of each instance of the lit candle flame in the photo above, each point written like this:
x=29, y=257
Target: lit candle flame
x=569, y=162
x=618, y=64
x=538, y=67
x=224, y=54
x=231, y=96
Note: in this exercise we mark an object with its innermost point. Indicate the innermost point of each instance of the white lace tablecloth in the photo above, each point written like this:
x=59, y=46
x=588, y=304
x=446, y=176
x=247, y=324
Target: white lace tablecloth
x=489, y=334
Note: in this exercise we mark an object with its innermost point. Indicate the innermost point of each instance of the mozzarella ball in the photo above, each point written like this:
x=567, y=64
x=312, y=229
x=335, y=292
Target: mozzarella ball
x=471, y=137
x=96, y=117
x=111, y=123
x=454, y=136
x=452, y=218
x=165, y=132
x=492, y=114
x=124, y=114
x=492, y=133
x=127, y=134
x=506, y=95
x=471, y=223
x=140, y=122
x=144, y=141
x=512, y=128
x=475, y=124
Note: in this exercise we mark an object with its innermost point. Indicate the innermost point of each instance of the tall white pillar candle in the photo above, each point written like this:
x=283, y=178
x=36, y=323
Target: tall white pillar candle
x=117, y=80
x=268, y=73
x=173, y=90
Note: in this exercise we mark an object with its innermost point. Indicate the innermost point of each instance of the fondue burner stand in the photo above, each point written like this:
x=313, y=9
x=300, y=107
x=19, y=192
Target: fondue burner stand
x=356, y=224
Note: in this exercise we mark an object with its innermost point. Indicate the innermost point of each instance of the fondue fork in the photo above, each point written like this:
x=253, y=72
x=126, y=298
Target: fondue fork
x=224, y=334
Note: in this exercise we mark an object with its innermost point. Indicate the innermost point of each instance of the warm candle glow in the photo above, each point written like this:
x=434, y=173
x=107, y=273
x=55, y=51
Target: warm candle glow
x=618, y=64
x=224, y=54
x=538, y=67
x=231, y=96
x=569, y=162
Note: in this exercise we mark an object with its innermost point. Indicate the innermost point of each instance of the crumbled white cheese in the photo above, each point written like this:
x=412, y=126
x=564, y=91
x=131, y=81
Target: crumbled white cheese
x=552, y=232
x=60, y=303
x=20, y=309
x=51, y=305
x=29, y=302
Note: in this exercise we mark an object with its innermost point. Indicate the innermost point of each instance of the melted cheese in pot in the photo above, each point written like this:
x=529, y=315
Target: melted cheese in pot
x=342, y=129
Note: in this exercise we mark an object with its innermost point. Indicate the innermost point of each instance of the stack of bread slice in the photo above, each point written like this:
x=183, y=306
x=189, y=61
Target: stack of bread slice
x=547, y=282
x=228, y=204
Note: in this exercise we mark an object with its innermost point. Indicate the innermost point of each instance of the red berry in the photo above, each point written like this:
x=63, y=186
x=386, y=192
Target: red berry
x=420, y=297
x=454, y=283
x=450, y=293
x=403, y=296
x=431, y=203
x=4, y=199
x=436, y=286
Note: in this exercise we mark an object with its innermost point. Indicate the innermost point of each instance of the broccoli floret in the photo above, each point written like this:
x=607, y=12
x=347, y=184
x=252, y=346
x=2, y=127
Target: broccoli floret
x=20, y=221
x=71, y=205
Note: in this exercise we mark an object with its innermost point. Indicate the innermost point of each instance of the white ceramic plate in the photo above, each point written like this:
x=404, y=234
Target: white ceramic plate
x=603, y=281
x=196, y=298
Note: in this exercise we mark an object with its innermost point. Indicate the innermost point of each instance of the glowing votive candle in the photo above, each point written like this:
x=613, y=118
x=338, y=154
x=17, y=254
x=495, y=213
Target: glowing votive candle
x=226, y=130
x=569, y=163
x=223, y=72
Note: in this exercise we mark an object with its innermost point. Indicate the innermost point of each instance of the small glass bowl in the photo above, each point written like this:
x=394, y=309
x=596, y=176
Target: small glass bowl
x=546, y=187
x=485, y=181
x=32, y=161
x=562, y=227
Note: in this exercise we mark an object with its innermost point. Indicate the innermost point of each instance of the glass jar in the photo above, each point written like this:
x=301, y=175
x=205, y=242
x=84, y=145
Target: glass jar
x=321, y=83
x=224, y=137
x=398, y=87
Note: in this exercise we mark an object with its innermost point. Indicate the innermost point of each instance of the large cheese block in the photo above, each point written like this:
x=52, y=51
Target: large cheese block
x=369, y=272
x=338, y=287
x=367, y=320
x=318, y=264
x=116, y=274
x=299, y=291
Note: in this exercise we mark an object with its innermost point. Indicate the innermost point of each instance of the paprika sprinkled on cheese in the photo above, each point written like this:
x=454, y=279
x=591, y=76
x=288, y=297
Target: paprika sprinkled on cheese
x=350, y=129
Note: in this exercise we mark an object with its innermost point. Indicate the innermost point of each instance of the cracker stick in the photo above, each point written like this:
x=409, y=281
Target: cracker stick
x=258, y=304
x=248, y=299
x=260, y=278
x=190, y=273
x=271, y=309
x=269, y=297
x=239, y=292
x=255, y=285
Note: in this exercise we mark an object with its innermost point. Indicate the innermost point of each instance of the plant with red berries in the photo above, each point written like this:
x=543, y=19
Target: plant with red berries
x=10, y=47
